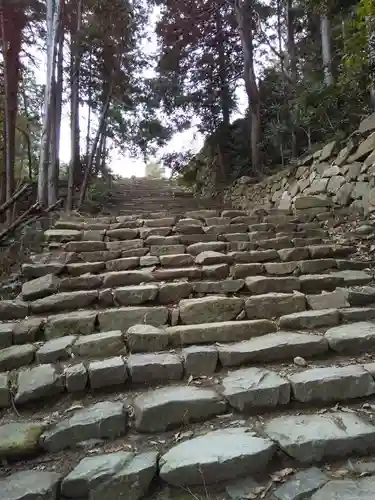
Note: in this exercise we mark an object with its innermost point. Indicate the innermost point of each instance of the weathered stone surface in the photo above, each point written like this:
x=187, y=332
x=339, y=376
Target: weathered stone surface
x=122, y=234
x=272, y=305
x=330, y=384
x=304, y=202
x=353, y=278
x=217, y=456
x=316, y=266
x=160, y=250
x=135, y=295
x=175, y=273
x=332, y=300
x=76, y=377
x=28, y=330
x=315, y=283
x=310, y=319
x=38, y=382
x=302, y=484
x=102, y=420
x=19, y=440
x=99, y=344
x=83, y=282
x=219, y=287
x=200, y=360
x=260, y=285
x=64, y=301
x=111, y=475
x=272, y=347
x=5, y=401
x=313, y=438
x=76, y=323
x=125, y=245
x=16, y=356
x=6, y=334
x=40, y=287
x=149, y=261
x=121, y=278
x=161, y=409
x=152, y=368
x=123, y=318
x=252, y=388
x=122, y=264
x=245, y=270
x=107, y=373
x=144, y=338
x=347, y=489
x=30, y=485
x=13, y=309
x=354, y=338
x=294, y=254
x=170, y=293
x=55, y=350
x=215, y=272
x=62, y=235
x=226, y=331
x=79, y=268
x=214, y=246
x=209, y=309
x=280, y=268
x=360, y=297
x=211, y=257
x=85, y=246
x=176, y=260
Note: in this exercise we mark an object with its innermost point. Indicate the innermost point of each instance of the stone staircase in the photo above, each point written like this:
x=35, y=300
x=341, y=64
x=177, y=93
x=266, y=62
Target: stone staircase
x=189, y=351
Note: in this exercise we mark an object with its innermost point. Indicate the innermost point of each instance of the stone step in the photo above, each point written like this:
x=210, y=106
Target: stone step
x=321, y=383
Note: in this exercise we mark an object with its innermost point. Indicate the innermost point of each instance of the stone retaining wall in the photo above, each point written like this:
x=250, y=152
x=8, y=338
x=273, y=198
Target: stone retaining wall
x=334, y=176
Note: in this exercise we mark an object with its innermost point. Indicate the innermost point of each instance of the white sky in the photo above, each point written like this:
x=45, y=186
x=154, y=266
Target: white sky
x=119, y=163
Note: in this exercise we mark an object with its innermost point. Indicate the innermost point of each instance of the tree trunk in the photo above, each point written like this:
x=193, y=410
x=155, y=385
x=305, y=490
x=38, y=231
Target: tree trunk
x=11, y=29
x=292, y=55
x=89, y=102
x=102, y=124
x=54, y=167
x=53, y=16
x=74, y=106
x=27, y=134
x=325, y=29
x=370, y=25
x=244, y=15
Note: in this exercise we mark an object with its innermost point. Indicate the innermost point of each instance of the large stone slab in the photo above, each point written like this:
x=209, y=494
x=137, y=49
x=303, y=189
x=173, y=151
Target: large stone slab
x=40, y=287
x=273, y=305
x=200, y=359
x=55, y=350
x=99, y=344
x=38, y=382
x=216, y=456
x=152, y=368
x=310, y=319
x=30, y=485
x=353, y=278
x=64, y=301
x=227, y=331
x=161, y=409
x=125, y=278
x=13, y=309
x=260, y=285
x=347, y=489
x=301, y=484
x=16, y=356
x=108, y=372
x=209, y=309
x=317, y=437
x=72, y=323
x=330, y=384
x=353, y=338
x=104, y=420
x=146, y=338
x=19, y=440
x=252, y=388
x=272, y=347
x=123, y=318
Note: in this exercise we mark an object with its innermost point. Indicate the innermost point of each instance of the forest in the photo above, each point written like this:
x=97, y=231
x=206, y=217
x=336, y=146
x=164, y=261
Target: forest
x=132, y=73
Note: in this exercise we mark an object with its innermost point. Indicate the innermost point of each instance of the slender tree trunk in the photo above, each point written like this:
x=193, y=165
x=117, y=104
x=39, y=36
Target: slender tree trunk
x=27, y=134
x=102, y=124
x=11, y=29
x=292, y=54
x=89, y=102
x=244, y=14
x=370, y=25
x=74, y=106
x=54, y=167
x=325, y=30
x=53, y=19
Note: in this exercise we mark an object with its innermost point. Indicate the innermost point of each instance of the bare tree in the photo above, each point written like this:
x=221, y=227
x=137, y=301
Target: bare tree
x=325, y=30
